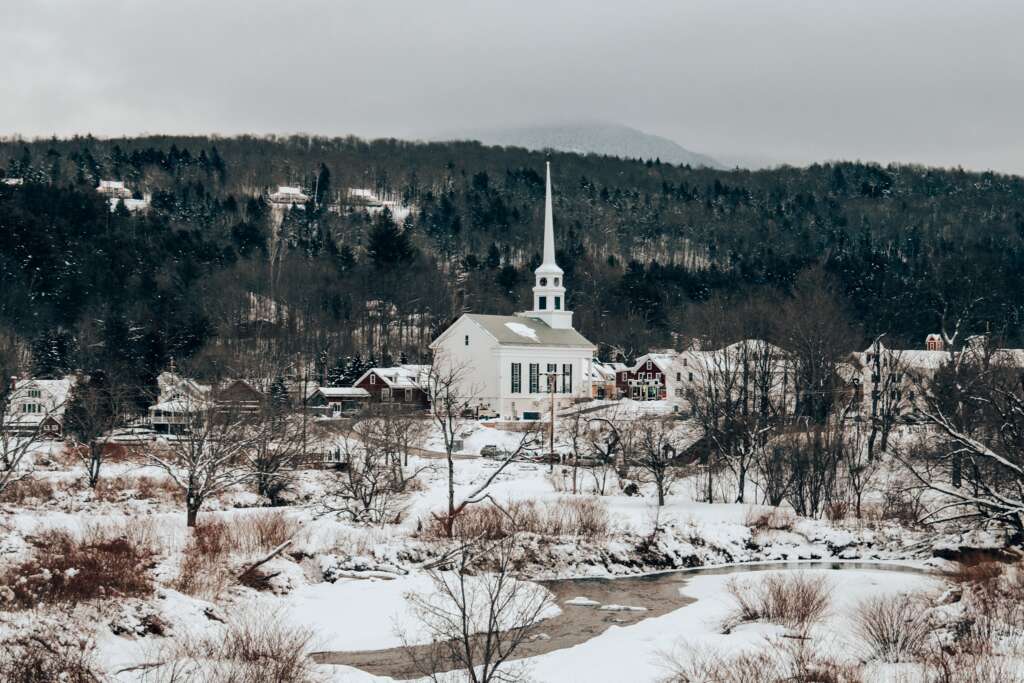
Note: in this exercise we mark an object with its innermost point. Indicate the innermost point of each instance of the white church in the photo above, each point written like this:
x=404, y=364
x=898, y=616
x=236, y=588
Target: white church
x=511, y=364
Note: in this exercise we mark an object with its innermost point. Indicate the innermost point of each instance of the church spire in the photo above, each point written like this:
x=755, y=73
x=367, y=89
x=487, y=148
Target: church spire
x=549, y=223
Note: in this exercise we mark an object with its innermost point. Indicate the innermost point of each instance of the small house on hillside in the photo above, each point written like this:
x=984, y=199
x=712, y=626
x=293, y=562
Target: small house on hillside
x=333, y=401
x=179, y=401
x=114, y=189
x=239, y=397
x=288, y=195
x=402, y=385
x=37, y=406
x=603, y=378
x=647, y=380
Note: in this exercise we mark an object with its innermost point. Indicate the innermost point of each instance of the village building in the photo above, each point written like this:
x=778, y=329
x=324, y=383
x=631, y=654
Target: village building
x=603, y=376
x=179, y=401
x=520, y=366
x=399, y=386
x=288, y=196
x=114, y=189
x=334, y=401
x=238, y=397
x=648, y=378
x=13, y=182
x=36, y=406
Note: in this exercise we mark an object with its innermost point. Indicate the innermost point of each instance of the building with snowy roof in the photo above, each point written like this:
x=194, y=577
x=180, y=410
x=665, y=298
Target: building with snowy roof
x=114, y=189
x=287, y=195
x=517, y=365
x=36, y=406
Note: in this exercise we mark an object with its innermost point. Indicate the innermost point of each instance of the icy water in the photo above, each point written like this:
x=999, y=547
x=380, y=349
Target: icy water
x=658, y=594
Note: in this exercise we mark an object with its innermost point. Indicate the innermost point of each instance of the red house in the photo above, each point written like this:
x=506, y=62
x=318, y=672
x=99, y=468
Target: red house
x=397, y=386
x=646, y=380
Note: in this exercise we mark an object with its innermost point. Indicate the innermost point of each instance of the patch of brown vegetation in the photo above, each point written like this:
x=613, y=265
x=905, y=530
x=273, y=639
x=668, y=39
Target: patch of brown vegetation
x=582, y=516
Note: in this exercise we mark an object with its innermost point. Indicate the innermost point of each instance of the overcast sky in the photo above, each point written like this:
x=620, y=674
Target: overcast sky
x=933, y=81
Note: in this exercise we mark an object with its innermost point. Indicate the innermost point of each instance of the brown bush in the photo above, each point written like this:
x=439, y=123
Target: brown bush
x=795, y=600
x=582, y=516
x=47, y=656
x=124, y=487
x=894, y=628
x=204, y=570
x=793, y=662
x=760, y=518
x=942, y=666
x=68, y=570
x=902, y=505
x=252, y=648
x=30, y=490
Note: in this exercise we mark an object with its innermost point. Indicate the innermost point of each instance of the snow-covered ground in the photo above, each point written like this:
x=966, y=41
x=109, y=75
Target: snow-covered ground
x=347, y=584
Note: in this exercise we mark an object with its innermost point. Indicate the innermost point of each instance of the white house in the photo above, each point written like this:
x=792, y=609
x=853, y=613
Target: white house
x=115, y=189
x=515, y=365
x=37, y=405
x=288, y=195
x=180, y=399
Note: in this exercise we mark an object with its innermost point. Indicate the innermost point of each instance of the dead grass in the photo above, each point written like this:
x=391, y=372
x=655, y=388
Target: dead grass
x=894, y=628
x=124, y=487
x=795, y=600
x=253, y=647
x=778, y=662
x=33, y=490
x=204, y=569
x=65, y=569
x=760, y=517
x=48, y=655
x=582, y=516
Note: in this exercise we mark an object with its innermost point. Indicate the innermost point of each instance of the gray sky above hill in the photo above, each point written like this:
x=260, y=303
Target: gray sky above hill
x=936, y=82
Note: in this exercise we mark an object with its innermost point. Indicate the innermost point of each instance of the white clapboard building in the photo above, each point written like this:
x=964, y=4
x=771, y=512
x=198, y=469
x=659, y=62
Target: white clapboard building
x=514, y=365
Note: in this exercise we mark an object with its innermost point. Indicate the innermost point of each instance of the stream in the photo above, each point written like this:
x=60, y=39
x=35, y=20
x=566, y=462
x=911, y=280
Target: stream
x=658, y=594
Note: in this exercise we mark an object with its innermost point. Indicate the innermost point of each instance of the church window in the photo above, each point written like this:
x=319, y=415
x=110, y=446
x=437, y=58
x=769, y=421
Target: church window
x=467, y=340
x=534, y=378
x=543, y=282
x=558, y=303
x=567, y=378
x=556, y=282
x=679, y=377
x=542, y=303
x=552, y=378
x=517, y=377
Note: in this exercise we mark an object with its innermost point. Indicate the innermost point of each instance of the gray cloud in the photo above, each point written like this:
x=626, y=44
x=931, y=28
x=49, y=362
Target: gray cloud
x=932, y=82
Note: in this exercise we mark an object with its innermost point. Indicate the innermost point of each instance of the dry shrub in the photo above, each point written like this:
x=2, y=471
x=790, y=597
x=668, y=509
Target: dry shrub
x=29, y=490
x=65, y=569
x=124, y=487
x=253, y=647
x=760, y=518
x=204, y=567
x=903, y=505
x=793, y=662
x=894, y=628
x=586, y=517
x=942, y=666
x=48, y=655
x=993, y=606
x=796, y=600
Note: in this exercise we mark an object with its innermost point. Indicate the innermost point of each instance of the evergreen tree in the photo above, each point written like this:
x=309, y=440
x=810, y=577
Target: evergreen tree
x=389, y=246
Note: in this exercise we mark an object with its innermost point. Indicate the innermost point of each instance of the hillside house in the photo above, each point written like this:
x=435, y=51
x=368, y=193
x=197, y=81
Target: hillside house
x=288, y=196
x=333, y=401
x=649, y=377
x=114, y=189
x=36, y=406
x=179, y=402
x=402, y=385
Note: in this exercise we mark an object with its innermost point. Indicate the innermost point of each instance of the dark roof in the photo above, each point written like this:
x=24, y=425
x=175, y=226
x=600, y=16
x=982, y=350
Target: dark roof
x=514, y=330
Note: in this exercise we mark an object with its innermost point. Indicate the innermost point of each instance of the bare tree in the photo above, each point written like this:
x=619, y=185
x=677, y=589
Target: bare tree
x=888, y=376
x=95, y=408
x=368, y=489
x=478, y=621
x=658, y=441
x=277, y=449
x=980, y=420
x=450, y=393
x=209, y=456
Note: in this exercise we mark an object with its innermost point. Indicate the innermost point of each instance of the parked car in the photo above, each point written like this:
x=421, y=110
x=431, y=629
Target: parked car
x=490, y=451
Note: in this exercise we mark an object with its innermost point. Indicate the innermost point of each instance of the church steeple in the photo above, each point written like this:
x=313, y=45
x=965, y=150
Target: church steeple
x=549, y=287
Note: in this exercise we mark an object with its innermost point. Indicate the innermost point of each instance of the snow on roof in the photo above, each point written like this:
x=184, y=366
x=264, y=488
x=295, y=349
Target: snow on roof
x=400, y=376
x=13, y=181
x=662, y=359
x=511, y=330
x=522, y=330
x=53, y=399
x=343, y=392
x=110, y=185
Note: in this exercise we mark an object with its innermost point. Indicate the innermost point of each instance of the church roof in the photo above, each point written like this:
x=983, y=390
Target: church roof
x=518, y=330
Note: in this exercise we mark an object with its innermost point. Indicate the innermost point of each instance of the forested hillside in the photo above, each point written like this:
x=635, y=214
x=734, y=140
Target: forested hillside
x=212, y=275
